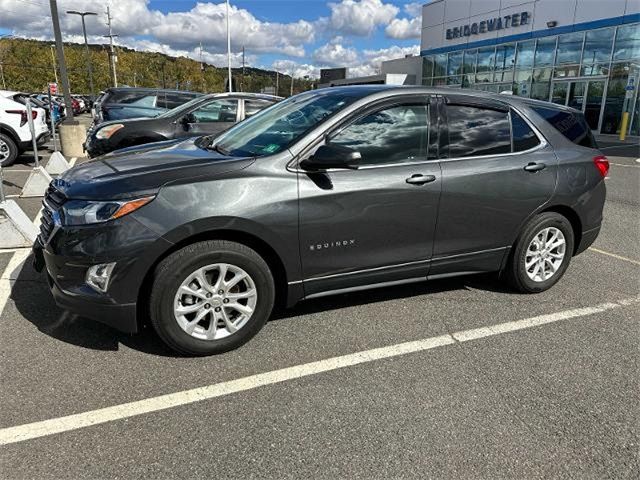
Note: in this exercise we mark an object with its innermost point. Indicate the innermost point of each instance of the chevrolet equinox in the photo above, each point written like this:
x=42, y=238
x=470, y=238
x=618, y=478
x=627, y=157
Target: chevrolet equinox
x=329, y=191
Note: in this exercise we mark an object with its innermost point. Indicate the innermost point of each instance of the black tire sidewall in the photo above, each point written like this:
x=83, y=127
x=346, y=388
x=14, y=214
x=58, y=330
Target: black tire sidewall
x=13, y=150
x=544, y=220
x=172, y=276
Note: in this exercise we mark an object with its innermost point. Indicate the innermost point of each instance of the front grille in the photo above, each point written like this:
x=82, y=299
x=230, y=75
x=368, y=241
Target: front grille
x=51, y=204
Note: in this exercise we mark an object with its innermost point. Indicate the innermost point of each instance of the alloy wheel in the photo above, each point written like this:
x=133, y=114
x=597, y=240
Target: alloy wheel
x=545, y=254
x=215, y=301
x=4, y=150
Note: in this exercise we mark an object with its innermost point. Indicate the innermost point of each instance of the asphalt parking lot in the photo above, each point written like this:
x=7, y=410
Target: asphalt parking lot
x=401, y=382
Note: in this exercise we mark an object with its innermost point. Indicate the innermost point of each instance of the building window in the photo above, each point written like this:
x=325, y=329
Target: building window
x=541, y=83
x=469, y=63
x=618, y=79
x=545, y=50
x=486, y=58
x=505, y=56
x=440, y=65
x=427, y=67
x=454, y=66
x=597, y=45
x=627, y=43
x=524, y=57
x=569, y=48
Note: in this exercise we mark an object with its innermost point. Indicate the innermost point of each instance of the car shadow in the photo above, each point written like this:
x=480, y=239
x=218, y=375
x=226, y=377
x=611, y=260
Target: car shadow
x=35, y=303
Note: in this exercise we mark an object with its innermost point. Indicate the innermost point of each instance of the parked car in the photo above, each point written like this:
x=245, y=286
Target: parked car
x=15, y=135
x=127, y=102
x=329, y=191
x=208, y=114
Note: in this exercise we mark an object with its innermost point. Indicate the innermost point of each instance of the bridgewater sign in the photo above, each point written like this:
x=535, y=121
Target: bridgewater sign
x=489, y=25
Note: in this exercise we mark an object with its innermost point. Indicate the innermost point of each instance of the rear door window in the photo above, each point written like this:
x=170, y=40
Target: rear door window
x=475, y=130
x=251, y=107
x=524, y=137
x=146, y=99
x=176, y=99
x=570, y=124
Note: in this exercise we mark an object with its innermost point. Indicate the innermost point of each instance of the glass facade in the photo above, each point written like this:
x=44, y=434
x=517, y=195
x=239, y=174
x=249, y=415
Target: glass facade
x=588, y=70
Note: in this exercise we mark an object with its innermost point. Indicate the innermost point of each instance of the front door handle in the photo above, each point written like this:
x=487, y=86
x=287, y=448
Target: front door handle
x=419, y=179
x=535, y=167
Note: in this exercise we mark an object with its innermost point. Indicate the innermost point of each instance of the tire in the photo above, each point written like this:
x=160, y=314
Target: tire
x=181, y=331
x=8, y=150
x=527, y=252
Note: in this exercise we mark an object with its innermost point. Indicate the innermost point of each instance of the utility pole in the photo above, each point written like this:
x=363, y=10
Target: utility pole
x=229, y=50
x=113, y=58
x=243, y=76
x=53, y=59
x=86, y=46
x=63, y=65
x=277, y=82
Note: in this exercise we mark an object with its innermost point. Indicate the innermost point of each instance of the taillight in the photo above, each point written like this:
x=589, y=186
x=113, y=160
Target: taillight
x=602, y=164
x=22, y=113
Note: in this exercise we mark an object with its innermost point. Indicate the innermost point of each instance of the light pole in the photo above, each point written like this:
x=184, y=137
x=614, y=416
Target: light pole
x=229, y=50
x=53, y=59
x=86, y=46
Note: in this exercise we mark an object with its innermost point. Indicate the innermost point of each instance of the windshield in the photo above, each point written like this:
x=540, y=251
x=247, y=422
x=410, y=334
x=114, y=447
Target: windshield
x=275, y=128
x=181, y=109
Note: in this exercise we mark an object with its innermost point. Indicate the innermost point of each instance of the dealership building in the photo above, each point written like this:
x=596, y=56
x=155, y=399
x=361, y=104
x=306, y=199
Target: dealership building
x=581, y=53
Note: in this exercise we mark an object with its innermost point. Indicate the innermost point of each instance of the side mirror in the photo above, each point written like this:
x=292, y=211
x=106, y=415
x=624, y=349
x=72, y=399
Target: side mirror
x=332, y=156
x=188, y=119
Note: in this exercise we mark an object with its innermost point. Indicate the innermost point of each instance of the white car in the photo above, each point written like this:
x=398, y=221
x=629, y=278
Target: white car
x=15, y=135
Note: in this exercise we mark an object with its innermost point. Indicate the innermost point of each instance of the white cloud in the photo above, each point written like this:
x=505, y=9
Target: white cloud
x=335, y=54
x=404, y=28
x=359, y=17
x=299, y=70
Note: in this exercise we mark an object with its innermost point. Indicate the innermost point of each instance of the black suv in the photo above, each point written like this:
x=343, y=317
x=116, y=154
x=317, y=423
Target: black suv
x=329, y=191
x=208, y=114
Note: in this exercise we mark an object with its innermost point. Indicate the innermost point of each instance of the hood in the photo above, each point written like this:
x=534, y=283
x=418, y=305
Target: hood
x=143, y=170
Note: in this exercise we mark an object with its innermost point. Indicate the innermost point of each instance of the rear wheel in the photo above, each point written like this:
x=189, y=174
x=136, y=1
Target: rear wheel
x=211, y=297
x=8, y=150
x=542, y=253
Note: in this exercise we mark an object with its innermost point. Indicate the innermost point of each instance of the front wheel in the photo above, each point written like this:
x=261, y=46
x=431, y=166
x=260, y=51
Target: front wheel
x=211, y=297
x=542, y=253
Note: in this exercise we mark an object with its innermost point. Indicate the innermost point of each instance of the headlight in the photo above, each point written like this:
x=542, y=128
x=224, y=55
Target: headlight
x=106, y=132
x=82, y=212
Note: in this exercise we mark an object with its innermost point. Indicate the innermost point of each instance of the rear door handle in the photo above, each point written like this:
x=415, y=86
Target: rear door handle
x=535, y=167
x=419, y=179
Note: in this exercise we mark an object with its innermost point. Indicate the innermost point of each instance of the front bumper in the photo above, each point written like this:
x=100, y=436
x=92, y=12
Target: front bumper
x=70, y=251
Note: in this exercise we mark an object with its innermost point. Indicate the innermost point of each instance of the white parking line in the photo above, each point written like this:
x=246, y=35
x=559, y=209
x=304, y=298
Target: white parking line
x=619, y=257
x=52, y=426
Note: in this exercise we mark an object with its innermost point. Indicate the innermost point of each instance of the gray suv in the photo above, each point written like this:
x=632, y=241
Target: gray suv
x=329, y=191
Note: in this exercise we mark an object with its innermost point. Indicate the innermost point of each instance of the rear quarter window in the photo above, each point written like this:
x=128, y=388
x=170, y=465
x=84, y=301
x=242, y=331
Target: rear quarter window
x=570, y=124
x=524, y=137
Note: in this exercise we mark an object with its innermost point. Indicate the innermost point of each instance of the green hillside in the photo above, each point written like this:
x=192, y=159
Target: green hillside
x=27, y=65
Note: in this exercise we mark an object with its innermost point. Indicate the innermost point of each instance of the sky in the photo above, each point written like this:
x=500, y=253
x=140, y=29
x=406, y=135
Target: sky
x=299, y=36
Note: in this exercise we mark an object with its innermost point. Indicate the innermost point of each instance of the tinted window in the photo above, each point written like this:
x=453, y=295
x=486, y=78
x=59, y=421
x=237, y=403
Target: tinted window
x=176, y=99
x=251, y=107
x=393, y=135
x=523, y=137
x=129, y=97
x=217, y=111
x=477, y=131
x=571, y=125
